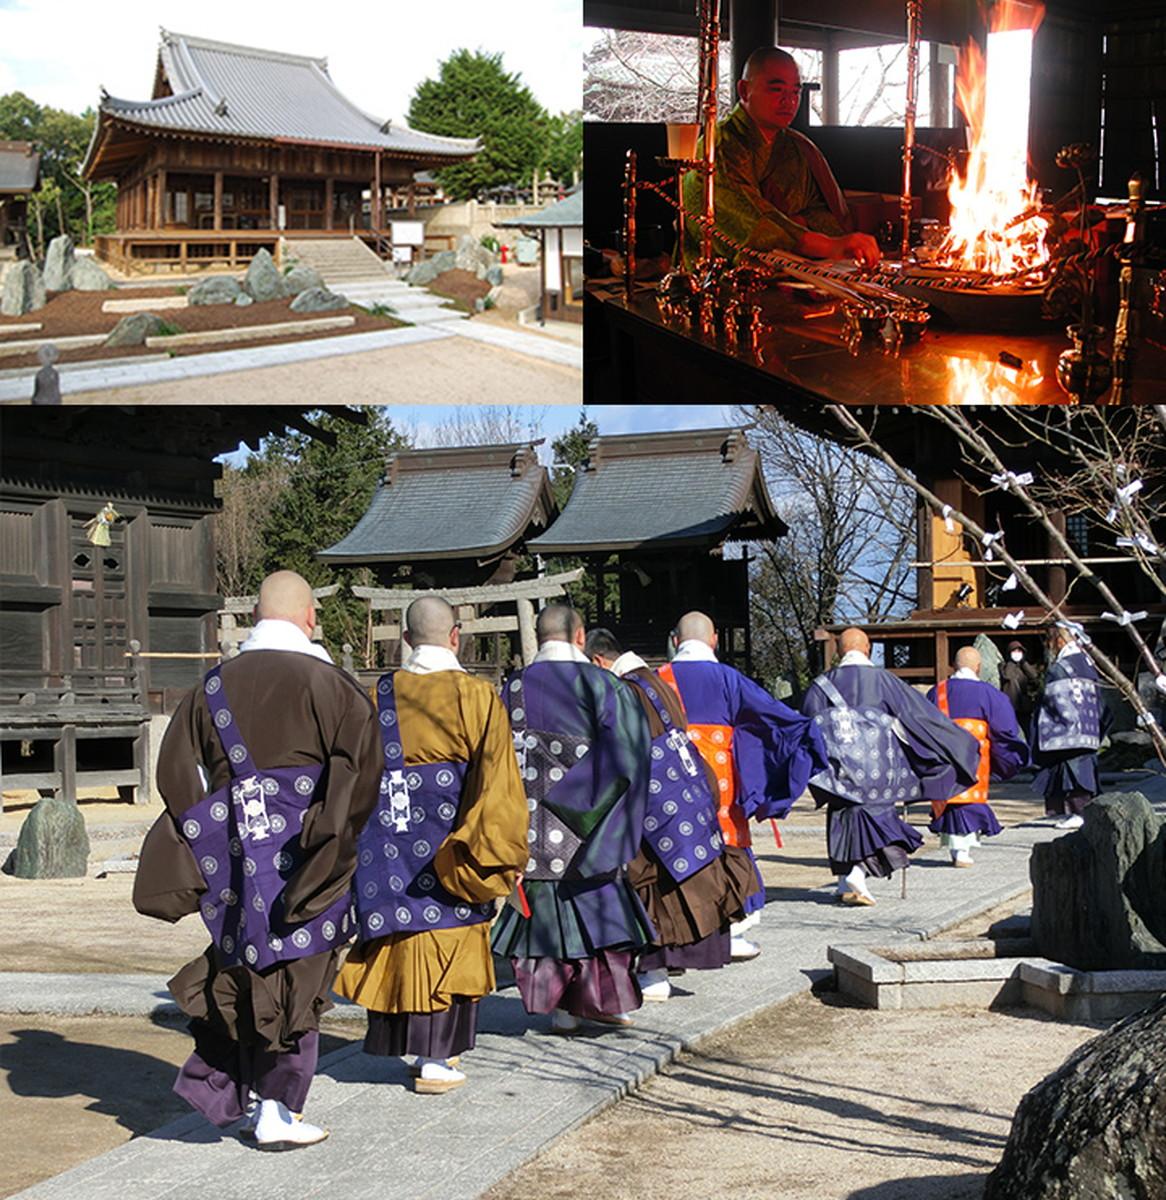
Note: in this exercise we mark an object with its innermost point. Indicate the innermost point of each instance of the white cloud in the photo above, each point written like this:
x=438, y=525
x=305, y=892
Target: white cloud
x=61, y=52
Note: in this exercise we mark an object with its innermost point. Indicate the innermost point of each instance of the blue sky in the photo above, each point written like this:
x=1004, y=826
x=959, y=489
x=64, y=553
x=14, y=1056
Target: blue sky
x=62, y=52
x=548, y=421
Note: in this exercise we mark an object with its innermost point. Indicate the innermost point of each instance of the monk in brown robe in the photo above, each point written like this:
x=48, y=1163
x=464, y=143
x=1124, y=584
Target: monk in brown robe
x=256, y=1026
x=446, y=841
x=692, y=917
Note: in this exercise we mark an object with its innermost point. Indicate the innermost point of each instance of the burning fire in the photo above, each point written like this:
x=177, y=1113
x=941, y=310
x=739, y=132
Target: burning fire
x=982, y=381
x=994, y=228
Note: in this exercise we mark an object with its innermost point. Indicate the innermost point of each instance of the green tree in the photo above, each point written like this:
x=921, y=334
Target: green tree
x=474, y=96
x=564, y=157
x=315, y=491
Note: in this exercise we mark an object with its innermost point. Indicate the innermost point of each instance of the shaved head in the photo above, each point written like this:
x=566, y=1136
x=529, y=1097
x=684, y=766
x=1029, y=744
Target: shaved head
x=696, y=627
x=765, y=57
x=558, y=623
x=429, y=621
x=854, y=639
x=286, y=596
x=968, y=658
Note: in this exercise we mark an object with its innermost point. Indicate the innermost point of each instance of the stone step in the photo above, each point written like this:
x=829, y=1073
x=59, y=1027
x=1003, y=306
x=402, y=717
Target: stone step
x=250, y=333
x=26, y=327
x=144, y=304
x=31, y=345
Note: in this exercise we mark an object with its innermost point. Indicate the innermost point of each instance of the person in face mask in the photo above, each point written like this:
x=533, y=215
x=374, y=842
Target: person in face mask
x=1019, y=681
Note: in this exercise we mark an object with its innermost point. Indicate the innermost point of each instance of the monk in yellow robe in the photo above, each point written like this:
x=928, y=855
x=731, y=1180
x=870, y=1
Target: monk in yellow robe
x=446, y=840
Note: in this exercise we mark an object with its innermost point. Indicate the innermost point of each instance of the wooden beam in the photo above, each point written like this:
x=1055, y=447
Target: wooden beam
x=392, y=631
x=218, y=200
x=160, y=198
x=329, y=201
x=273, y=200
x=375, y=207
x=399, y=599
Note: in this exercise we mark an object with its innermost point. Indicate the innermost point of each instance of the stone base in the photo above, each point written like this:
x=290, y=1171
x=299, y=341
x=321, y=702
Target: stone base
x=984, y=974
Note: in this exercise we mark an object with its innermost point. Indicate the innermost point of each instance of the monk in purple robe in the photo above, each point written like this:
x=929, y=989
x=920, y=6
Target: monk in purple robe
x=268, y=772
x=691, y=883
x=886, y=746
x=573, y=931
x=987, y=714
x=762, y=752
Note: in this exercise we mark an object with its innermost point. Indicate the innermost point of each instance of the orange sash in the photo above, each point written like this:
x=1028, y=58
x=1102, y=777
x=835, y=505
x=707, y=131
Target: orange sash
x=715, y=743
x=980, y=730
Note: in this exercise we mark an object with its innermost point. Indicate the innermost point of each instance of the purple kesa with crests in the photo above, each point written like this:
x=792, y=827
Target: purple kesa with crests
x=396, y=887
x=681, y=826
x=246, y=840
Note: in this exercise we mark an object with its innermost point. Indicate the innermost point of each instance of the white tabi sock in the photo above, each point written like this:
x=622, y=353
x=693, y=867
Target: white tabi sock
x=438, y=1068
x=854, y=881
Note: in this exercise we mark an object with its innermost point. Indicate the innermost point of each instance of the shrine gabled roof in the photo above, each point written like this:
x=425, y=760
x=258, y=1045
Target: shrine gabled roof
x=461, y=502
x=19, y=167
x=684, y=488
x=210, y=87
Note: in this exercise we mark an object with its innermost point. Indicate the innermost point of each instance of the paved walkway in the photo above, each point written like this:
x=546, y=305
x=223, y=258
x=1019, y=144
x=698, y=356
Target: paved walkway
x=526, y=1086
x=150, y=371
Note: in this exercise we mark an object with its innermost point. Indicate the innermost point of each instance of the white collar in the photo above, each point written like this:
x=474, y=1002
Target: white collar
x=629, y=660
x=966, y=673
x=1068, y=648
x=855, y=658
x=694, y=650
x=560, y=651
x=426, y=659
x=274, y=634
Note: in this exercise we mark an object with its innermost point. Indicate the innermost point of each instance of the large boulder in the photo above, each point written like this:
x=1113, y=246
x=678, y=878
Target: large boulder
x=317, y=300
x=263, y=280
x=133, y=329
x=53, y=842
x=89, y=276
x=218, y=289
x=301, y=277
x=1099, y=895
x=24, y=290
x=1095, y=1129
x=471, y=254
x=510, y=296
x=428, y=270
x=493, y=275
x=59, y=264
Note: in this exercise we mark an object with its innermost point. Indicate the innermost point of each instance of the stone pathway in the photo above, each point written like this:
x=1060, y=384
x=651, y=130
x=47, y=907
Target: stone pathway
x=526, y=1086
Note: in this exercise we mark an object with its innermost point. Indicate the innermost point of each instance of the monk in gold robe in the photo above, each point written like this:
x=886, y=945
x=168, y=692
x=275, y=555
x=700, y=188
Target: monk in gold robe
x=773, y=189
x=446, y=840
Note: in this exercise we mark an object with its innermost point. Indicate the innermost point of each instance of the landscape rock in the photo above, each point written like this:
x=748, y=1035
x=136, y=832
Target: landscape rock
x=493, y=275
x=301, y=277
x=58, y=274
x=471, y=254
x=1099, y=895
x=53, y=842
x=316, y=300
x=218, y=289
x=428, y=271
x=90, y=276
x=242, y=300
x=510, y=295
x=1095, y=1129
x=263, y=280
x=24, y=290
x=133, y=329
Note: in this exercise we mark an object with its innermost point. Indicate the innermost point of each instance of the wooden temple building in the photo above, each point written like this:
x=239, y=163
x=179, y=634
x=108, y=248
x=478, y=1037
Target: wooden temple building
x=19, y=176
x=651, y=516
x=960, y=594
x=237, y=145
x=99, y=631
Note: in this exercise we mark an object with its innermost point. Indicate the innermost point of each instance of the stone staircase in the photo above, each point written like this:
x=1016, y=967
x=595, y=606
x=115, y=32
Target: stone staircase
x=351, y=269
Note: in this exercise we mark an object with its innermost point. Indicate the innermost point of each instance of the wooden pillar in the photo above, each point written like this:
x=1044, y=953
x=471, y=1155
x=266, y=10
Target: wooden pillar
x=375, y=207
x=273, y=201
x=160, y=199
x=218, y=201
x=830, y=87
x=412, y=199
x=329, y=201
x=754, y=24
x=526, y=632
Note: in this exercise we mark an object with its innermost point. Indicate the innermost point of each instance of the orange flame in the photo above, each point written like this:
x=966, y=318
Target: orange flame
x=983, y=381
x=994, y=228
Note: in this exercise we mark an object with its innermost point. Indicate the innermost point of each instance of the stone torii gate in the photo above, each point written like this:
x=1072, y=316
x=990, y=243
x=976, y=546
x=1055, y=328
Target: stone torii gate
x=468, y=601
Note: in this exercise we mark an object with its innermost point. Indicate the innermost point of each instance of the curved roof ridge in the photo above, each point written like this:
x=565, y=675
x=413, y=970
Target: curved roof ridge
x=119, y=104
x=168, y=37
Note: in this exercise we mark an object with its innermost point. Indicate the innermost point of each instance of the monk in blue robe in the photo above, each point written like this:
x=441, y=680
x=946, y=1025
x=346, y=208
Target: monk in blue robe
x=987, y=714
x=574, y=930
x=886, y=746
x=1070, y=721
x=762, y=752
